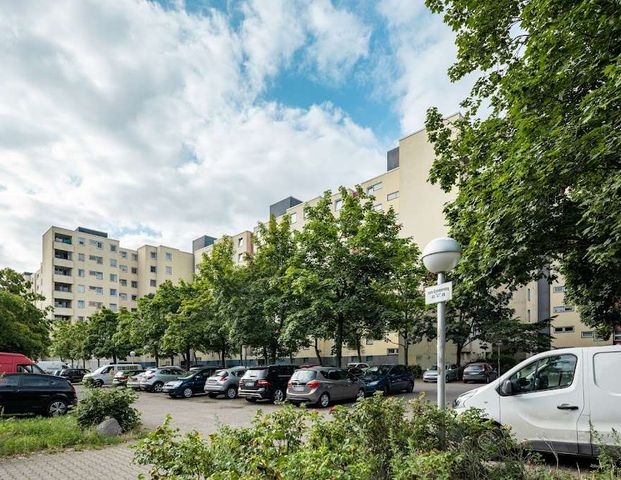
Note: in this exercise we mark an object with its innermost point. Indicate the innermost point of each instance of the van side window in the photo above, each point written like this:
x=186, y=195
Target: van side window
x=549, y=373
x=27, y=369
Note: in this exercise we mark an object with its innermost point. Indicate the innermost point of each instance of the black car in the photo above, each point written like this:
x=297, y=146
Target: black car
x=187, y=386
x=388, y=379
x=34, y=393
x=74, y=375
x=269, y=383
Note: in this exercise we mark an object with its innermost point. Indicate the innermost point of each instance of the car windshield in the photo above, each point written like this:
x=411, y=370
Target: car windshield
x=476, y=368
x=100, y=369
x=220, y=373
x=374, y=371
x=304, y=375
x=258, y=373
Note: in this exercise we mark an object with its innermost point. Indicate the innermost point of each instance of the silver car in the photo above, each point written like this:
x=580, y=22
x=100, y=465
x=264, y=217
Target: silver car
x=224, y=382
x=154, y=380
x=322, y=385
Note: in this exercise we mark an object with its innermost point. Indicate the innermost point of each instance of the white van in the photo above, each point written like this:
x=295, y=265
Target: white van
x=49, y=366
x=104, y=375
x=551, y=400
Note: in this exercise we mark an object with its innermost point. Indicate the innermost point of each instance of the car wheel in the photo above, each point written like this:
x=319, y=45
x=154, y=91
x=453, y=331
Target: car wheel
x=410, y=387
x=187, y=392
x=360, y=395
x=57, y=407
x=99, y=383
x=251, y=400
x=157, y=387
x=324, y=400
x=231, y=393
x=279, y=395
x=386, y=390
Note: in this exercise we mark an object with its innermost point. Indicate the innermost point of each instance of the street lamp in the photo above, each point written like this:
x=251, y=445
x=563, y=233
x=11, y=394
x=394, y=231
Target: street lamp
x=440, y=256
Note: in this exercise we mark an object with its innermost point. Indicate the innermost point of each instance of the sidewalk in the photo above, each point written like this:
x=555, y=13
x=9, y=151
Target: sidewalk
x=112, y=463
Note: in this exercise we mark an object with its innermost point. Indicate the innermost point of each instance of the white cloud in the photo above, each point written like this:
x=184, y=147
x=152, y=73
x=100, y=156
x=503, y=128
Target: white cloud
x=124, y=117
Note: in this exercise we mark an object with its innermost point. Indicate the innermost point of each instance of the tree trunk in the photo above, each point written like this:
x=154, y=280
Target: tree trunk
x=113, y=358
x=187, y=358
x=273, y=352
x=157, y=358
x=241, y=355
x=291, y=358
x=459, y=349
x=338, y=340
x=359, y=349
x=317, y=351
x=265, y=355
x=406, y=349
x=172, y=359
x=97, y=362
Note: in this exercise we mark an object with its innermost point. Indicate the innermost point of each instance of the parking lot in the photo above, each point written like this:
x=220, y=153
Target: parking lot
x=207, y=414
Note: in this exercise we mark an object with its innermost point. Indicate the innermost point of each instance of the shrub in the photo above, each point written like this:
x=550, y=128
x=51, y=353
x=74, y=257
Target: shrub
x=101, y=404
x=88, y=382
x=417, y=370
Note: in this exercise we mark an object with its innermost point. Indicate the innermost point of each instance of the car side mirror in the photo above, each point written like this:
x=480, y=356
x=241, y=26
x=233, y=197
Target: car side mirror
x=506, y=388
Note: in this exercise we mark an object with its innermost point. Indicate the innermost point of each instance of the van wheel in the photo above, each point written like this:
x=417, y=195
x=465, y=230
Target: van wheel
x=157, y=387
x=57, y=407
x=187, y=392
x=386, y=390
x=324, y=400
x=231, y=393
x=279, y=395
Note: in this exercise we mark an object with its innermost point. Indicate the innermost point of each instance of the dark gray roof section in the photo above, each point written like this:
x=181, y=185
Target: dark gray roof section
x=392, y=159
x=202, y=242
x=92, y=232
x=279, y=208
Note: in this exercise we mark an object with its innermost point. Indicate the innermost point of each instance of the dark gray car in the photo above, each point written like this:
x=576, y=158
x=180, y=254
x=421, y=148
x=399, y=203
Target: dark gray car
x=479, y=372
x=322, y=385
x=224, y=382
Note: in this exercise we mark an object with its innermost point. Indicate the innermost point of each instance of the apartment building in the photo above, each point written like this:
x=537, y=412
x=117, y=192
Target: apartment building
x=242, y=246
x=83, y=270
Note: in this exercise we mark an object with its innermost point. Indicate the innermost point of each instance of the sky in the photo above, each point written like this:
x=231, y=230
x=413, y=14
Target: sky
x=161, y=121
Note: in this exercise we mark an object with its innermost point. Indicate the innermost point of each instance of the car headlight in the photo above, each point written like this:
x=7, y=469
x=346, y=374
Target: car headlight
x=174, y=384
x=373, y=384
x=461, y=400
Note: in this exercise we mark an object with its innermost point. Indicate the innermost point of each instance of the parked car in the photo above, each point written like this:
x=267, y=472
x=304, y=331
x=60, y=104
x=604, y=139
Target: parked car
x=22, y=393
x=17, y=363
x=479, y=372
x=49, y=366
x=555, y=400
x=322, y=385
x=451, y=372
x=122, y=376
x=361, y=366
x=134, y=380
x=104, y=375
x=269, y=383
x=188, y=385
x=224, y=382
x=74, y=375
x=154, y=380
x=388, y=379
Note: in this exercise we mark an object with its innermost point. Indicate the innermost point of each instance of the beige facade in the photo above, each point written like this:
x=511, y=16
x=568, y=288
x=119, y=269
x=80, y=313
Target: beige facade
x=242, y=246
x=83, y=270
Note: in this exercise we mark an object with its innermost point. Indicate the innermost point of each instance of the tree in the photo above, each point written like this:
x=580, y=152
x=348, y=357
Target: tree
x=100, y=336
x=341, y=260
x=404, y=302
x=24, y=327
x=539, y=179
x=62, y=340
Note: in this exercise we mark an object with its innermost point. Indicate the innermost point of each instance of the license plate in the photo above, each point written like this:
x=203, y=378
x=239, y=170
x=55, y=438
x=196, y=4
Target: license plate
x=298, y=388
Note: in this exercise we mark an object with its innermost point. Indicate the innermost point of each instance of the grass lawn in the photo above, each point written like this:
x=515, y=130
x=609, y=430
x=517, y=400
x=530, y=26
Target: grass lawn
x=25, y=435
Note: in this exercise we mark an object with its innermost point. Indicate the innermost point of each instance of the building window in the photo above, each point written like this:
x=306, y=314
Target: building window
x=528, y=294
x=168, y=270
x=558, y=289
x=97, y=290
x=123, y=296
x=392, y=196
x=123, y=254
x=114, y=277
x=95, y=304
x=113, y=292
x=113, y=262
x=153, y=283
x=80, y=272
x=294, y=217
x=113, y=307
x=168, y=257
x=240, y=242
x=80, y=289
x=81, y=319
x=374, y=188
x=134, y=284
x=81, y=240
x=134, y=298
x=80, y=303
x=153, y=255
x=563, y=309
x=153, y=269
x=81, y=257
x=123, y=268
x=338, y=204
x=563, y=329
x=528, y=315
x=378, y=207
x=113, y=248
x=134, y=270
x=96, y=243
x=392, y=351
x=135, y=257
x=123, y=282
x=95, y=258
x=97, y=275
x=586, y=334
x=240, y=258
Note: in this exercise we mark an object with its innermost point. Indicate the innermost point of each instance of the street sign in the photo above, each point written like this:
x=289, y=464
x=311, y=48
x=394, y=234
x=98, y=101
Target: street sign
x=439, y=293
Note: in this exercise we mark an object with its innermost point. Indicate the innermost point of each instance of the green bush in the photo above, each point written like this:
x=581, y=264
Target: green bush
x=417, y=370
x=101, y=404
x=378, y=438
x=88, y=382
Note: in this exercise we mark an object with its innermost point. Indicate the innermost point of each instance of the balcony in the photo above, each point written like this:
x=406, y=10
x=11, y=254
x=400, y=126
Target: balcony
x=63, y=312
x=62, y=278
x=65, y=239
x=61, y=303
x=64, y=272
x=63, y=296
x=60, y=262
x=62, y=254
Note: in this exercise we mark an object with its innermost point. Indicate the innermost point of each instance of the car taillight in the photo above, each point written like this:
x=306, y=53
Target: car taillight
x=222, y=379
x=263, y=383
x=150, y=375
x=313, y=384
x=289, y=384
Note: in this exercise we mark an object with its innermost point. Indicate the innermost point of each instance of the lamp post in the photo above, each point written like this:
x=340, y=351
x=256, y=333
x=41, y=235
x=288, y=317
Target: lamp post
x=441, y=256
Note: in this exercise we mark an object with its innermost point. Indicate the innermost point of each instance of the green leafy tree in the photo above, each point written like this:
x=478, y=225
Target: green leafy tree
x=539, y=179
x=62, y=340
x=24, y=327
x=403, y=297
x=100, y=336
x=341, y=260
